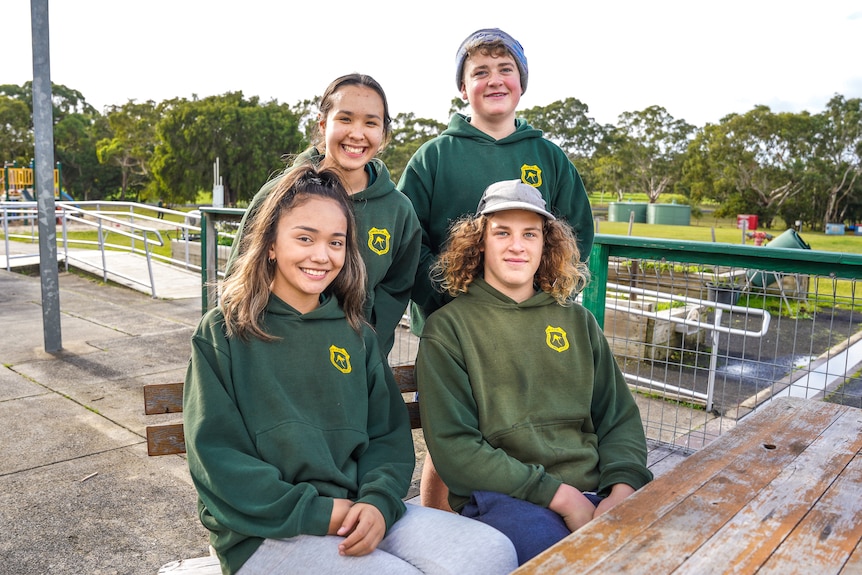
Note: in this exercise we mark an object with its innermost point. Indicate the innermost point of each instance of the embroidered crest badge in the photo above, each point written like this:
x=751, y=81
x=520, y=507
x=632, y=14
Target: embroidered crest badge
x=378, y=241
x=556, y=338
x=531, y=175
x=340, y=359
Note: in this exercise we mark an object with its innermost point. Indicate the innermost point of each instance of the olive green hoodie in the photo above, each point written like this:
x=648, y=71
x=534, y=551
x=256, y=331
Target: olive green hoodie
x=518, y=398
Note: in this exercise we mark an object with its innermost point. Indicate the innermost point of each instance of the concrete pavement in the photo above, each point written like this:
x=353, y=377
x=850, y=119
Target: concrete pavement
x=78, y=493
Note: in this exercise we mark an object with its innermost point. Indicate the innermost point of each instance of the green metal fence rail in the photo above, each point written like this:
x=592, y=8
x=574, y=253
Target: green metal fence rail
x=777, y=259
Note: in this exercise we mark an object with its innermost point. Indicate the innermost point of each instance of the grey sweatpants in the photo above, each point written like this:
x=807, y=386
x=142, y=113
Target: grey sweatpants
x=424, y=541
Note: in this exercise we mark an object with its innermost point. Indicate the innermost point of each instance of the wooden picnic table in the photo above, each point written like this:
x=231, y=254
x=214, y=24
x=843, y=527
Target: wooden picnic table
x=780, y=493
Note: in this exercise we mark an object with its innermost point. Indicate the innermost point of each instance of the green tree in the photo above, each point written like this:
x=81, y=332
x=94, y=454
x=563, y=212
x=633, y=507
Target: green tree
x=458, y=106
x=835, y=168
x=77, y=126
x=65, y=100
x=749, y=163
x=83, y=176
x=16, y=131
x=408, y=134
x=566, y=123
x=306, y=112
x=250, y=139
x=650, y=145
x=131, y=144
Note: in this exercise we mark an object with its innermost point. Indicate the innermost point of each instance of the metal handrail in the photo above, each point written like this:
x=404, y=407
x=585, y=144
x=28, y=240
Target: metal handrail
x=104, y=222
x=714, y=327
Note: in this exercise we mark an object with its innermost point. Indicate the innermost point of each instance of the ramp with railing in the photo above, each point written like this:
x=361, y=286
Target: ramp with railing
x=113, y=240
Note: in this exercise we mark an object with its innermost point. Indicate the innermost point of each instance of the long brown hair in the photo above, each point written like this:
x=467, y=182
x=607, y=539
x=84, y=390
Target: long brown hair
x=561, y=272
x=246, y=291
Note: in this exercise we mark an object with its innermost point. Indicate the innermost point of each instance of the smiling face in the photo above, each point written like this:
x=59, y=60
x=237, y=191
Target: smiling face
x=492, y=85
x=512, y=246
x=309, y=251
x=353, y=132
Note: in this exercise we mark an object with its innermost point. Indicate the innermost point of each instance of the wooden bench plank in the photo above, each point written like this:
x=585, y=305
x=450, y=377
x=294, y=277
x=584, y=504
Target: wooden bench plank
x=769, y=520
x=163, y=398
x=829, y=534
x=168, y=439
x=854, y=563
x=406, y=379
x=160, y=398
x=739, y=475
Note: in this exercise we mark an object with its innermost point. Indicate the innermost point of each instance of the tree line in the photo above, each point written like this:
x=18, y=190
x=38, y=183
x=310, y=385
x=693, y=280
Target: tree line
x=795, y=166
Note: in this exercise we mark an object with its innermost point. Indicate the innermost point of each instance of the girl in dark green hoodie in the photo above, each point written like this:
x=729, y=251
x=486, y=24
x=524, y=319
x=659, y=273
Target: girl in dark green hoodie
x=353, y=125
x=298, y=440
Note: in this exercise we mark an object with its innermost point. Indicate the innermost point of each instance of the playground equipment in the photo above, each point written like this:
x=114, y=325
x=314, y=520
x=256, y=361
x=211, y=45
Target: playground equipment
x=17, y=184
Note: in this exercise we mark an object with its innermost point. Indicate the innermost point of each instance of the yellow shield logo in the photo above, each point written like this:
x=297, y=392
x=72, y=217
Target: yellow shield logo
x=556, y=338
x=340, y=359
x=378, y=241
x=531, y=175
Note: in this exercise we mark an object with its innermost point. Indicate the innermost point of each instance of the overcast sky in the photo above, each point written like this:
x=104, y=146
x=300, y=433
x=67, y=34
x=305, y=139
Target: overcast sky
x=698, y=60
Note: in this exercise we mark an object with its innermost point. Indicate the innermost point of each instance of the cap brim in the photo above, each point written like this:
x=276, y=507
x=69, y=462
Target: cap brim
x=503, y=206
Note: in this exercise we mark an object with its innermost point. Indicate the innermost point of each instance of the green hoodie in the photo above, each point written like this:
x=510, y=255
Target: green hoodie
x=275, y=430
x=519, y=397
x=446, y=177
x=389, y=240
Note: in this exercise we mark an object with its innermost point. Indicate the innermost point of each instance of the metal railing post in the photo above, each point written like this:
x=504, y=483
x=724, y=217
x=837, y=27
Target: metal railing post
x=102, y=249
x=595, y=295
x=6, y=238
x=150, y=266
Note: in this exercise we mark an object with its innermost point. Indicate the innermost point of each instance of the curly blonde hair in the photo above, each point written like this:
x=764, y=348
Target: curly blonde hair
x=561, y=272
x=246, y=291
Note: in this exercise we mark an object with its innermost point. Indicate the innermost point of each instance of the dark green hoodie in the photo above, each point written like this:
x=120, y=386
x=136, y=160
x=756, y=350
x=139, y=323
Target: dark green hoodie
x=446, y=177
x=389, y=239
x=275, y=431
x=519, y=397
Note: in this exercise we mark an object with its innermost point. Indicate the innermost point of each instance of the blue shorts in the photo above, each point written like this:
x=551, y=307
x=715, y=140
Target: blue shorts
x=531, y=528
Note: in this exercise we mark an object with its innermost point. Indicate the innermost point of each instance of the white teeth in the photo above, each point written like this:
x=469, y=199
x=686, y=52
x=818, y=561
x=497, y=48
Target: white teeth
x=352, y=150
x=319, y=273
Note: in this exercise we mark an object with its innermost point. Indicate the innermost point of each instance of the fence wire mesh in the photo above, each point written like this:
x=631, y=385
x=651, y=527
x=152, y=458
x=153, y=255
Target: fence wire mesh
x=706, y=346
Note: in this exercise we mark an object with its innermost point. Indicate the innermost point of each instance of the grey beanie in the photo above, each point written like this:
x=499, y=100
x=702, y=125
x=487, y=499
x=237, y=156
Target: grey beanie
x=486, y=36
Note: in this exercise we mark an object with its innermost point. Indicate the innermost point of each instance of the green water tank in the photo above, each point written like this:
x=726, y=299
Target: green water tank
x=669, y=214
x=621, y=211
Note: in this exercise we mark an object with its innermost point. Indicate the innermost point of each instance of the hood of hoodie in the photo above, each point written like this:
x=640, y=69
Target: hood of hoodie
x=381, y=181
x=460, y=127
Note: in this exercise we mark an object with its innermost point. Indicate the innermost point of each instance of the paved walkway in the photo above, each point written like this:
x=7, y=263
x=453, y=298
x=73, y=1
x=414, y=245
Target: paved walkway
x=78, y=493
